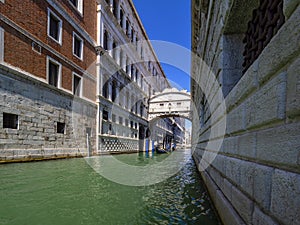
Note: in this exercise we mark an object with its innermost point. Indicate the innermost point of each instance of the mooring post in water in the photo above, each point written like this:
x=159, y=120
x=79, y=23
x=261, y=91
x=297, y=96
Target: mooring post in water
x=88, y=144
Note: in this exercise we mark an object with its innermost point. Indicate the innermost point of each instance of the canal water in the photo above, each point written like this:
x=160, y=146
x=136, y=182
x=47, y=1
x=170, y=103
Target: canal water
x=70, y=192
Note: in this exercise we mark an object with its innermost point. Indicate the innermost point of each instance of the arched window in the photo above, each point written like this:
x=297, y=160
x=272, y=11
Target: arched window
x=105, y=40
x=141, y=109
x=105, y=90
x=114, y=91
x=121, y=17
x=115, y=50
x=115, y=8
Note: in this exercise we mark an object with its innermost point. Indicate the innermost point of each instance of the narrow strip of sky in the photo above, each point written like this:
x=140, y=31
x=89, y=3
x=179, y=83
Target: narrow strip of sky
x=170, y=21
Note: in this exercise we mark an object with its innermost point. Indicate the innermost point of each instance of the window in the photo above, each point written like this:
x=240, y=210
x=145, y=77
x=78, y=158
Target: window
x=120, y=120
x=105, y=90
x=113, y=118
x=54, y=26
x=142, y=109
x=105, y=115
x=136, y=75
x=126, y=122
x=161, y=104
x=127, y=25
x=60, y=128
x=261, y=29
x=131, y=124
x=10, y=121
x=77, y=4
x=105, y=40
x=54, y=72
x=114, y=91
x=132, y=72
x=115, y=50
x=121, y=17
x=115, y=8
x=77, y=85
x=77, y=46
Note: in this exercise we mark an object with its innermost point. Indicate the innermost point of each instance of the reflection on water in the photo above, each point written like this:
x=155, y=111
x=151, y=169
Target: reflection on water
x=71, y=192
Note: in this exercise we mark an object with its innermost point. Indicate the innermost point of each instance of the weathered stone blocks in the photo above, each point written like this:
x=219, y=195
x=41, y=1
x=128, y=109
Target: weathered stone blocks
x=260, y=218
x=279, y=145
x=293, y=90
x=267, y=105
x=242, y=204
x=285, y=201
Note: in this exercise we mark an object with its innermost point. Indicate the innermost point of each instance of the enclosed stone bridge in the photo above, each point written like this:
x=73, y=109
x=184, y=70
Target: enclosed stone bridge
x=170, y=103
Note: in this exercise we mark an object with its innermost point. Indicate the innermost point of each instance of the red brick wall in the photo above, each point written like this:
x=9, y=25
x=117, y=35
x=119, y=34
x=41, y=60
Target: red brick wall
x=32, y=16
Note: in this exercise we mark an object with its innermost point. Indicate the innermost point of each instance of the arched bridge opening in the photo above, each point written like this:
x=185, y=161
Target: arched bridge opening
x=166, y=115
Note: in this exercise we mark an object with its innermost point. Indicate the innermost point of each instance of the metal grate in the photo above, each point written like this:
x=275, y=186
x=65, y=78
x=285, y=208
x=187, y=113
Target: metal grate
x=265, y=23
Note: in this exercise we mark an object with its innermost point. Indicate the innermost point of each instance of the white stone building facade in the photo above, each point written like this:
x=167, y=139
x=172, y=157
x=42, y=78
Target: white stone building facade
x=129, y=74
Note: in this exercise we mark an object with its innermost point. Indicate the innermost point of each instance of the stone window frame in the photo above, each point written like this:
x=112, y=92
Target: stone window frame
x=80, y=84
x=60, y=25
x=78, y=5
x=76, y=36
x=59, y=78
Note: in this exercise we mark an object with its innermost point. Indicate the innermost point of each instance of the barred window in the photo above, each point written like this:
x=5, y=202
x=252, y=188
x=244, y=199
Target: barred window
x=265, y=23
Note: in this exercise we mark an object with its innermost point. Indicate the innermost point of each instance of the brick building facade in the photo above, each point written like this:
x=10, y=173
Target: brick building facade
x=48, y=78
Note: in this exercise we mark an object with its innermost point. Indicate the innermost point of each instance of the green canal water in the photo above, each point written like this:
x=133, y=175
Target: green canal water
x=70, y=192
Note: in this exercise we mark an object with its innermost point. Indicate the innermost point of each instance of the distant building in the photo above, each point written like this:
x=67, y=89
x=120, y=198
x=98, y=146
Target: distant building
x=252, y=47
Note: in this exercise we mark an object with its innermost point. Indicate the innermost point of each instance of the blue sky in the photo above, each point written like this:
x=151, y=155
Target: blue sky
x=169, y=20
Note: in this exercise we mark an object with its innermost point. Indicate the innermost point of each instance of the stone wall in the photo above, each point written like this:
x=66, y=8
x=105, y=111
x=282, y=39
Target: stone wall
x=255, y=176
x=39, y=107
